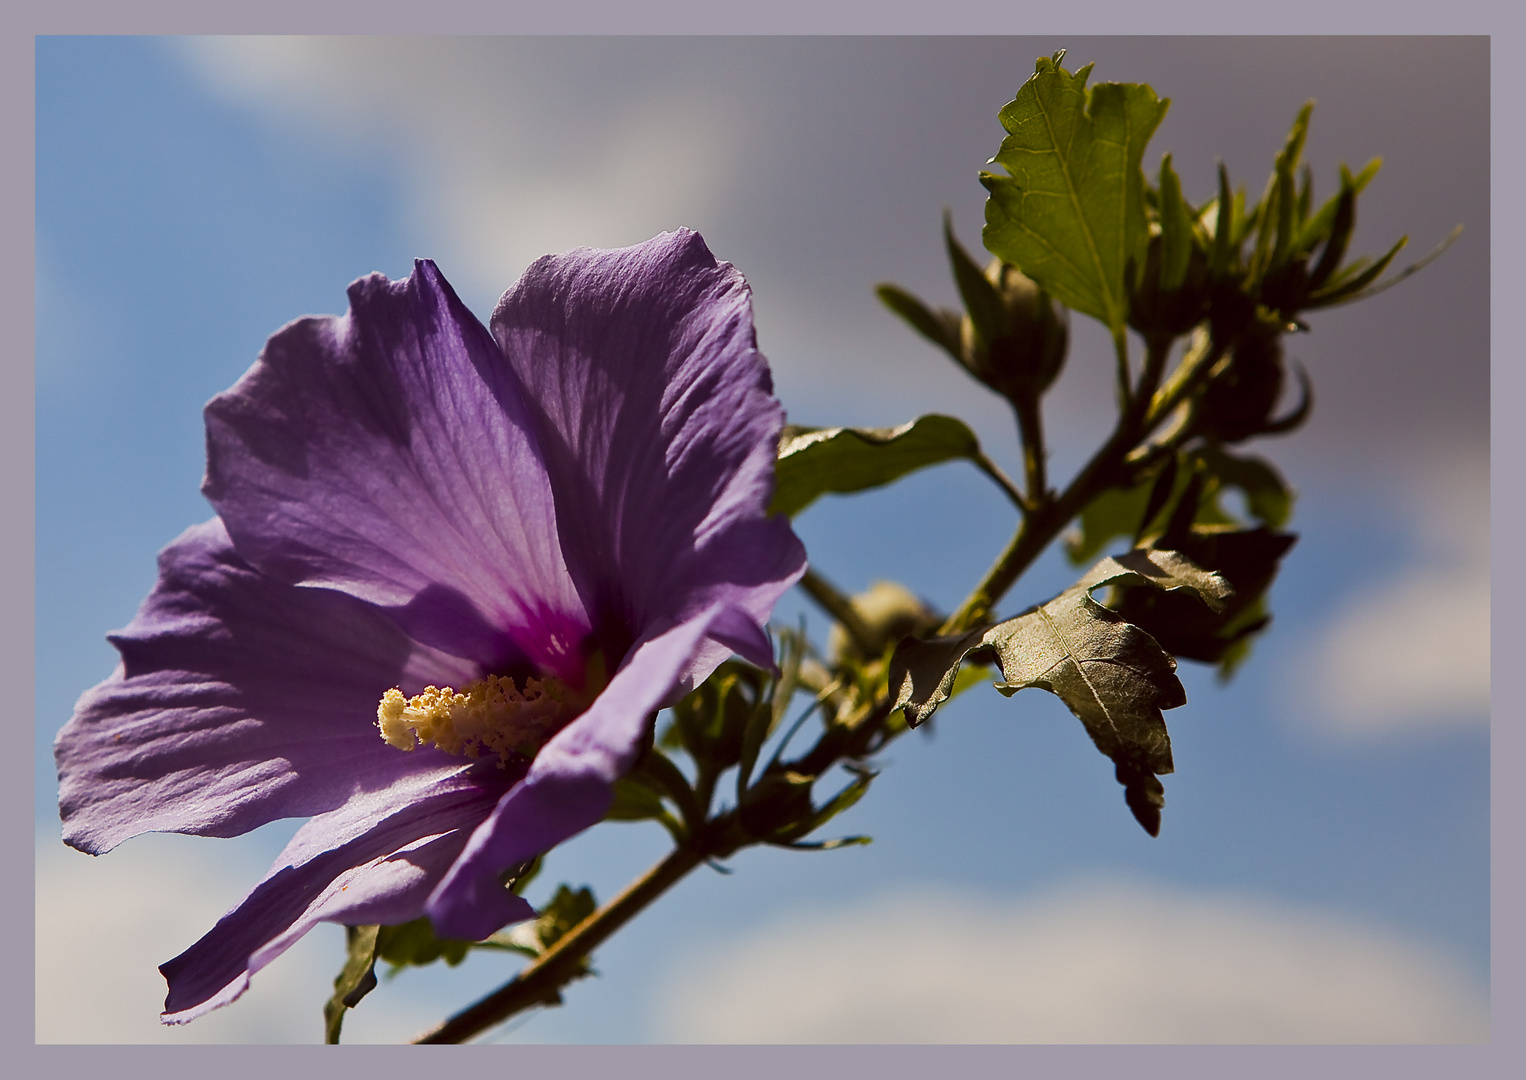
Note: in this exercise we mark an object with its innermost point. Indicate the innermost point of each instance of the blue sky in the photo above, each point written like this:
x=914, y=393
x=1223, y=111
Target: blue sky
x=193, y=197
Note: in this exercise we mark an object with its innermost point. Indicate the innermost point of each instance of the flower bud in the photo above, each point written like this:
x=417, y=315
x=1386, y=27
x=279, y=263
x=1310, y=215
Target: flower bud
x=1242, y=393
x=1023, y=352
x=889, y=612
x=1168, y=310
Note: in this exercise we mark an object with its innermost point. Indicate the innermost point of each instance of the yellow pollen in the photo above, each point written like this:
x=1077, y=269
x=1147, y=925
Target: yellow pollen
x=489, y=714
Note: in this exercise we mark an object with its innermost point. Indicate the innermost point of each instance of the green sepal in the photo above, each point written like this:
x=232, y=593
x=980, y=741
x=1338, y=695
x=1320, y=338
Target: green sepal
x=1177, y=235
x=355, y=980
x=939, y=326
x=847, y=797
x=1346, y=283
x=769, y=712
x=1323, y=223
x=987, y=313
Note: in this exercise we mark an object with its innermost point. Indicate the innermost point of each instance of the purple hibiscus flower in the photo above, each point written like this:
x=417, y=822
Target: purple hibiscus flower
x=453, y=574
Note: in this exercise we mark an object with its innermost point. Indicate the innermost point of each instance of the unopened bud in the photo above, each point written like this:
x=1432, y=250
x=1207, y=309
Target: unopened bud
x=1023, y=354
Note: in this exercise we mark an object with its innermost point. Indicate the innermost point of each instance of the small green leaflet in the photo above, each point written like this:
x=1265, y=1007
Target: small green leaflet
x=1071, y=214
x=1110, y=674
x=355, y=980
x=817, y=461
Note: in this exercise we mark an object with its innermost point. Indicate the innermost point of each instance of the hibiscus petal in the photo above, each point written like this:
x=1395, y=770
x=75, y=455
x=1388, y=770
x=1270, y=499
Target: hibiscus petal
x=239, y=700
x=365, y=863
x=657, y=423
x=388, y=454
x=568, y=787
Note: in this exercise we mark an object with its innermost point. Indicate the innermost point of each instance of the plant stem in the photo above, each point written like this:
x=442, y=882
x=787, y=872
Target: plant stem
x=1141, y=415
x=541, y=981
x=991, y=469
x=1030, y=426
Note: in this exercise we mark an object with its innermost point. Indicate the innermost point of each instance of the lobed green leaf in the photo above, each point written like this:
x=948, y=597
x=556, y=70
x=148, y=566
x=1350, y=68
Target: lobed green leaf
x=1071, y=212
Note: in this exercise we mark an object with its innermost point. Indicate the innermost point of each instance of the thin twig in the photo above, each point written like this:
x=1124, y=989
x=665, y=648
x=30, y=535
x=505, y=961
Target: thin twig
x=837, y=605
x=540, y=982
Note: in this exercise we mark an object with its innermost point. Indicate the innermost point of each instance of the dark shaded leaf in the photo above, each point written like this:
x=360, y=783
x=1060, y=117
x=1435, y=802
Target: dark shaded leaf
x=1267, y=495
x=1111, y=674
x=1246, y=559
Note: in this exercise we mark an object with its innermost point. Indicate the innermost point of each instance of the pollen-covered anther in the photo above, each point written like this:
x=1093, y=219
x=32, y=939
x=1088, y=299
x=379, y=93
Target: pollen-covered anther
x=491, y=714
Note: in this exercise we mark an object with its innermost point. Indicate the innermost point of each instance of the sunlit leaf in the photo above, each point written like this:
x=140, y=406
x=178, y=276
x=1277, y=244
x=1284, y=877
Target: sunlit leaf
x=1071, y=212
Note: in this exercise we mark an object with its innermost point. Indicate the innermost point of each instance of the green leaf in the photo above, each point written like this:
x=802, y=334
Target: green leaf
x=638, y=796
x=1071, y=214
x=635, y=800
x=355, y=980
x=414, y=944
x=1115, y=512
x=1267, y=495
x=817, y=461
x=1111, y=674
x=566, y=909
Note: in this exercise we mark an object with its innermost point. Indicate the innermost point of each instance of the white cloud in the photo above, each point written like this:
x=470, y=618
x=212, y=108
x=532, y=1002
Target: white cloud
x=1413, y=652
x=1092, y=963
x=103, y=925
x=504, y=165
x=510, y=149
